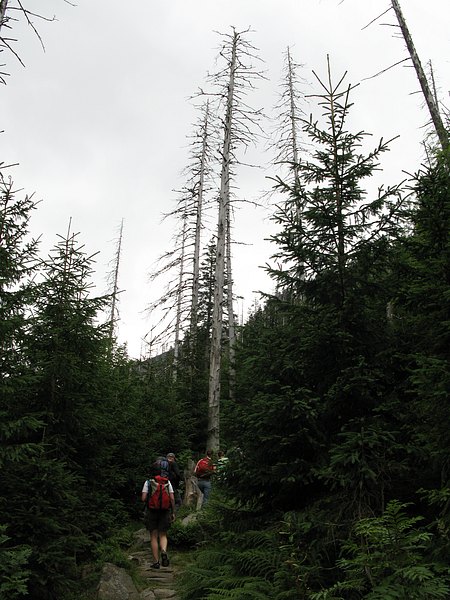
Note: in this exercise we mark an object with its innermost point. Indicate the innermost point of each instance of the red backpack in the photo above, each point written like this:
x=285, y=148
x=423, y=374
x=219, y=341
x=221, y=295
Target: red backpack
x=203, y=467
x=158, y=493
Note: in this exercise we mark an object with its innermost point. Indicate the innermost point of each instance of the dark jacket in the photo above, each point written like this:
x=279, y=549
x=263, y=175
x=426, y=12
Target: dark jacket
x=174, y=475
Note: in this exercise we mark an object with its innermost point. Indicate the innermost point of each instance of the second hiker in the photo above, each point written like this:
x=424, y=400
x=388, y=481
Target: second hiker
x=174, y=477
x=204, y=470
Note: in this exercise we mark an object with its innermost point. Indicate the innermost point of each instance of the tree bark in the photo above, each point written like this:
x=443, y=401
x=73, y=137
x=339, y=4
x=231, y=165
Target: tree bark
x=115, y=289
x=192, y=495
x=293, y=115
x=3, y=7
x=429, y=98
x=231, y=321
x=176, y=349
x=213, y=442
x=198, y=227
x=294, y=142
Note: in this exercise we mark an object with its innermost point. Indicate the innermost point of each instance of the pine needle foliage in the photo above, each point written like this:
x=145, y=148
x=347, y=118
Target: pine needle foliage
x=330, y=215
x=13, y=572
x=343, y=373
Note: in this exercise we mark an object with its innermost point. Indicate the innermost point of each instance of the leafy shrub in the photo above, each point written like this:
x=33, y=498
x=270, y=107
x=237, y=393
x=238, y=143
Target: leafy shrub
x=186, y=535
x=114, y=548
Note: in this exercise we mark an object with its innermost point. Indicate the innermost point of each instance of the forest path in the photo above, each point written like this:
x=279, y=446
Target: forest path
x=159, y=584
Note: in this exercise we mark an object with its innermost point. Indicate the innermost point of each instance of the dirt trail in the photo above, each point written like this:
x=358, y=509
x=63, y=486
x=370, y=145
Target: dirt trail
x=160, y=583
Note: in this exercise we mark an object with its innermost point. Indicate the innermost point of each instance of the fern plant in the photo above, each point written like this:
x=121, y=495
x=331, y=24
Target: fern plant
x=387, y=560
x=225, y=568
x=237, y=560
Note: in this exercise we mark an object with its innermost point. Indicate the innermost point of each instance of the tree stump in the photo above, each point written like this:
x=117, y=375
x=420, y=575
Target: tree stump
x=192, y=494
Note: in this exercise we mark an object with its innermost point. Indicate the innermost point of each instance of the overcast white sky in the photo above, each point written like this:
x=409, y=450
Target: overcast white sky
x=98, y=122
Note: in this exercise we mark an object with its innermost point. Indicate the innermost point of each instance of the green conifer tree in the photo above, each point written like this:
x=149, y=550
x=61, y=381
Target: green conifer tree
x=421, y=321
x=18, y=429
x=65, y=494
x=339, y=218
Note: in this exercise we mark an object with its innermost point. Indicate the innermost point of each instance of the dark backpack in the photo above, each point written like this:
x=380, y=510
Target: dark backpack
x=158, y=493
x=160, y=467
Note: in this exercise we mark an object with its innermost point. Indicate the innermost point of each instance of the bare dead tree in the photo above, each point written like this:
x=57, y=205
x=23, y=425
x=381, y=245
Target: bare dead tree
x=11, y=11
x=219, y=281
x=172, y=306
x=289, y=114
x=289, y=120
x=430, y=99
x=3, y=7
x=181, y=297
x=233, y=81
x=113, y=281
x=178, y=319
x=200, y=171
x=230, y=309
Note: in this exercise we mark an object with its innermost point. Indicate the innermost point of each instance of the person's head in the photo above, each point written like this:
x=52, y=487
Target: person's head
x=209, y=453
x=171, y=457
x=220, y=454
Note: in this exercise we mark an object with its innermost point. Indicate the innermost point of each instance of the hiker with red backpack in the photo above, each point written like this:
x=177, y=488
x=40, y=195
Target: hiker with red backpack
x=159, y=499
x=204, y=470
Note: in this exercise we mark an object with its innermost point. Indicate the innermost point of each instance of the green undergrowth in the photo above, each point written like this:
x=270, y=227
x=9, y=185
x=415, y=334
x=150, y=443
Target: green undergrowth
x=183, y=540
x=114, y=549
x=246, y=555
x=187, y=535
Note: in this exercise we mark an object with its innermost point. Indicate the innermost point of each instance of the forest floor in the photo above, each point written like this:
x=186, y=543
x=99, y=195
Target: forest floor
x=155, y=584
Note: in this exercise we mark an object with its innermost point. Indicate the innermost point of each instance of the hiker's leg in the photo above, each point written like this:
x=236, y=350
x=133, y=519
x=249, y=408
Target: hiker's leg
x=154, y=544
x=206, y=491
x=163, y=525
x=201, y=484
x=163, y=541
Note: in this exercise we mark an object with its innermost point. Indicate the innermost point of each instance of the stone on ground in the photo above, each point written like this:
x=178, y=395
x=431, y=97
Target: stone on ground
x=116, y=584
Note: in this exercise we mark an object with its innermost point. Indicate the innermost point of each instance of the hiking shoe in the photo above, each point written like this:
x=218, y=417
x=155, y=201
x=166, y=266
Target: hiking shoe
x=164, y=559
x=155, y=565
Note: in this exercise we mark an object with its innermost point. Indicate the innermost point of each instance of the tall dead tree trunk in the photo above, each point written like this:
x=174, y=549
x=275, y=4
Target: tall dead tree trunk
x=178, y=317
x=217, y=324
x=115, y=289
x=427, y=93
x=293, y=113
x=3, y=7
x=198, y=226
x=230, y=307
x=289, y=115
x=237, y=122
x=292, y=96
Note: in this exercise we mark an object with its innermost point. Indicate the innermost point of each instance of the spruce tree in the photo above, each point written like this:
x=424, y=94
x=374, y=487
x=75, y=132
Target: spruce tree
x=339, y=218
x=421, y=321
x=321, y=366
x=66, y=492
x=18, y=428
x=18, y=268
